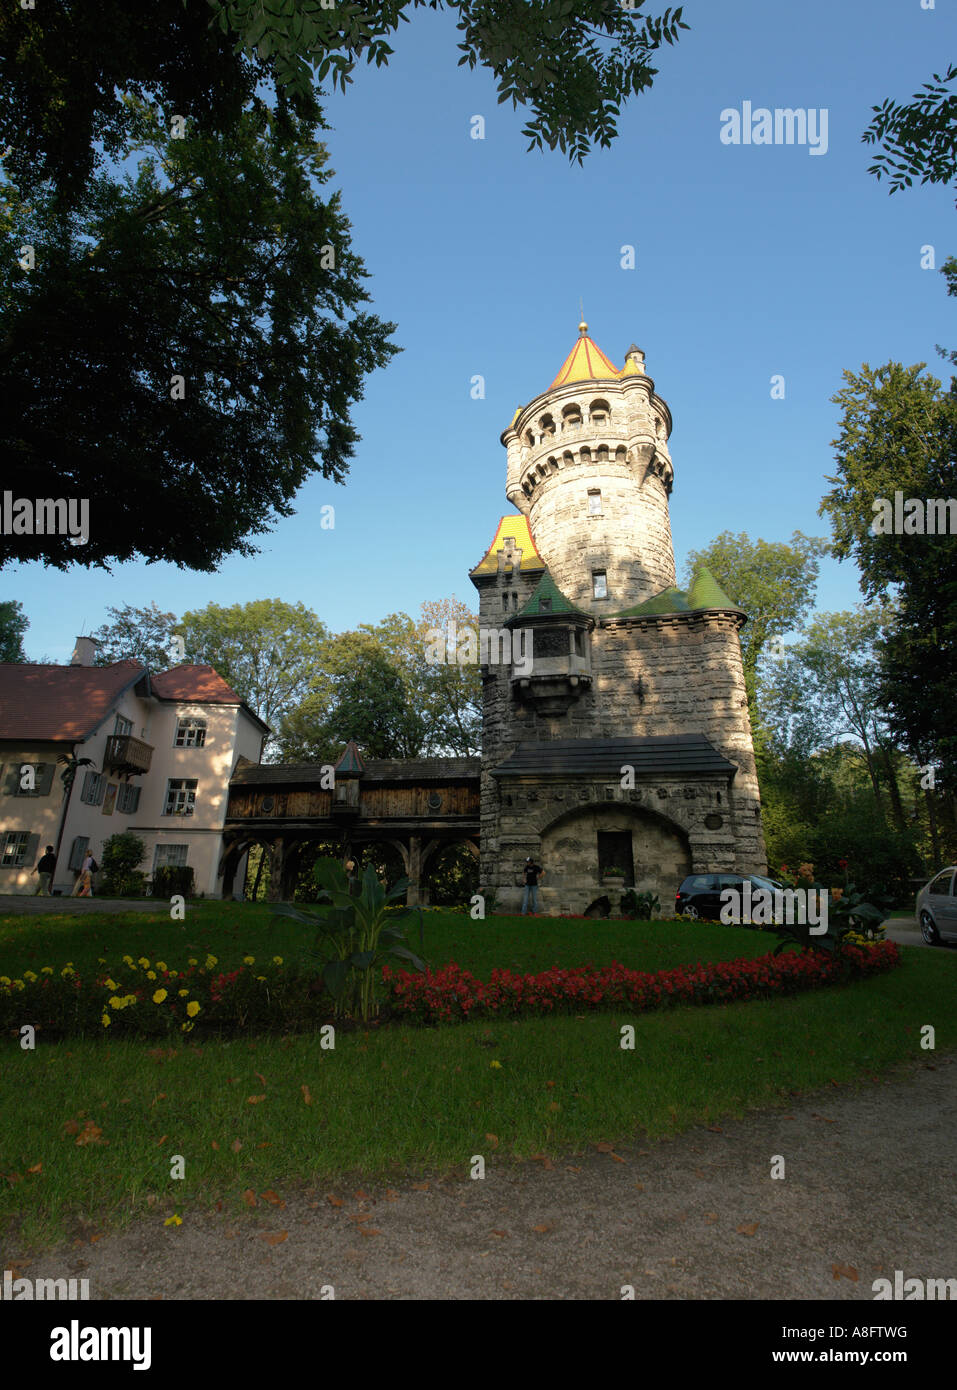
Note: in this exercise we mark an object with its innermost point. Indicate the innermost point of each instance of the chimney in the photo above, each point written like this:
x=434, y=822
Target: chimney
x=84, y=653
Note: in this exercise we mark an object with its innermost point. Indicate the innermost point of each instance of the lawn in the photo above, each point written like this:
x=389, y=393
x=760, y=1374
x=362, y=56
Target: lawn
x=399, y=1100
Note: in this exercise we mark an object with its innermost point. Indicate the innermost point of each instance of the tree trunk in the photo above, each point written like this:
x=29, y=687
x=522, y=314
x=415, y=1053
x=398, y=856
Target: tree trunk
x=892, y=786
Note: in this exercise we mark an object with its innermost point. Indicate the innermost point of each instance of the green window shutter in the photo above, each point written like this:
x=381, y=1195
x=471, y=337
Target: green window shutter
x=11, y=779
x=32, y=855
x=77, y=851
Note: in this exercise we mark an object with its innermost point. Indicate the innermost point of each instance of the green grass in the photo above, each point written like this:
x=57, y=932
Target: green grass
x=395, y=1100
x=232, y=930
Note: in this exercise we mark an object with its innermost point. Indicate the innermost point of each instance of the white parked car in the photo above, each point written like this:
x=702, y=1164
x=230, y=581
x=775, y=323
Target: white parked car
x=937, y=908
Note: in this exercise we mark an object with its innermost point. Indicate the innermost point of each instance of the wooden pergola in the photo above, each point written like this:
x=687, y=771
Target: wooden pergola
x=419, y=806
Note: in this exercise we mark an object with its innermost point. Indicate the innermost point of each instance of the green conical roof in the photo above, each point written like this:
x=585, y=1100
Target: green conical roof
x=705, y=593
x=554, y=601
x=350, y=762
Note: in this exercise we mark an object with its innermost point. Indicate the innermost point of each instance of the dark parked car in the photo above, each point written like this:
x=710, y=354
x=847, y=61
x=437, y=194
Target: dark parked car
x=700, y=894
x=937, y=908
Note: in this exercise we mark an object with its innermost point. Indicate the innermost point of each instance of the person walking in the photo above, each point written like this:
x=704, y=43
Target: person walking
x=46, y=868
x=533, y=872
x=83, y=888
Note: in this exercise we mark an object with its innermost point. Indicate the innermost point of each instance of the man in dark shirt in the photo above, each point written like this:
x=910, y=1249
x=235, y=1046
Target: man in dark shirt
x=46, y=868
x=533, y=872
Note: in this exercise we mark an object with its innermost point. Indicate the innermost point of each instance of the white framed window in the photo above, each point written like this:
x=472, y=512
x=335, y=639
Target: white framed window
x=14, y=851
x=599, y=581
x=123, y=726
x=594, y=502
x=78, y=852
x=180, y=796
x=94, y=788
x=190, y=733
x=128, y=798
x=174, y=855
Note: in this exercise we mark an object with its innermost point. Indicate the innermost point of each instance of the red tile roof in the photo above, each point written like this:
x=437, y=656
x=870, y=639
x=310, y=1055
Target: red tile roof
x=60, y=704
x=202, y=684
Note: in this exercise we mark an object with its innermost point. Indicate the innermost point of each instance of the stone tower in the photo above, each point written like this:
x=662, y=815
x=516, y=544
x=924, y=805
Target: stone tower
x=616, y=733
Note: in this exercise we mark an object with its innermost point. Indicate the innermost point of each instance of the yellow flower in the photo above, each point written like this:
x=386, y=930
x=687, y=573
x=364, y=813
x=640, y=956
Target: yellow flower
x=173, y=1220
x=186, y=1027
x=66, y=972
x=105, y=1020
x=47, y=970
x=111, y=984
x=496, y=1065
x=116, y=1002
x=18, y=984
x=211, y=961
x=192, y=961
x=249, y=960
x=192, y=1009
x=277, y=960
x=161, y=965
x=260, y=977
x=159, y=996
x=183, y=993
x=151, y=974
x=129, y=999
x=29, y=975
x=144, y=962
x=4, y=979
x=128, y=960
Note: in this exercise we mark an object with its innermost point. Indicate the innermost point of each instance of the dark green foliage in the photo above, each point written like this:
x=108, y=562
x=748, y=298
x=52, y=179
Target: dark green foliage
x=920, y=140
x=639, y=906
x=121, y=855
x=136, y=634
x=13, y=626
x=172, y=880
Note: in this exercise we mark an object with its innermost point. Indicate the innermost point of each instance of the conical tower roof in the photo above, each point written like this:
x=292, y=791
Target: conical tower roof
x=585, y=362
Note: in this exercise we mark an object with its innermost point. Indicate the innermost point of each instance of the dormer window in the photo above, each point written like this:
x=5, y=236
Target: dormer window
x=545, y=605
x=594, y=502
x=599, y=581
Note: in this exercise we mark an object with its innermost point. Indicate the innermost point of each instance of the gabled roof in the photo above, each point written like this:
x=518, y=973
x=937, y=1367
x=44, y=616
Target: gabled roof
x=546, y=599
x=513, y=528
x=201, y=684
x=60, y=704
x=705, y=595
x=585, y=362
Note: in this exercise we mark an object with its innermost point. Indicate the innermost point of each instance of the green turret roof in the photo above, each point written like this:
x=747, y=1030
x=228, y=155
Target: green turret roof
x=704, y=594
x=547, y=598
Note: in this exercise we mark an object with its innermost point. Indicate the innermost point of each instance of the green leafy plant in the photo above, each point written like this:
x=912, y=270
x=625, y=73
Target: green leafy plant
x=642, y=907
x=357, y=928
x=170, y=880
x=121, y=855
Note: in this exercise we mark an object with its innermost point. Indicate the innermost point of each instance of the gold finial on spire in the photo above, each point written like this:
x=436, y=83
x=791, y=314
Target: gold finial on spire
x=583, y=326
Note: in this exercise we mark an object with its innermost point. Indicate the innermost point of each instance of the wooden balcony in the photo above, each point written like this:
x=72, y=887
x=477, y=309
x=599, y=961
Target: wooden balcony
x=127, y=754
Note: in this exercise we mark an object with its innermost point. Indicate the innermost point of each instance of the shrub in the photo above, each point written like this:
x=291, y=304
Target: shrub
x=170, y=880
x=121, y=878
x=640, y=906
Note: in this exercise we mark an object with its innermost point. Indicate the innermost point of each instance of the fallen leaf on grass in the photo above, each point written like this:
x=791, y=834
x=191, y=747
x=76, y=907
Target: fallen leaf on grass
x=306, y=1095
x=215, y=1145
x=71, y=1127
x=265, y=1145
x=361, y=1196
x=360, y=1216
x=639, y=1186
x=604, y=1147
x=501, y=1234
x=94, y=1239
x=159, y=1141
x=236, y=1145
x=272, y=1198
x=273, y=1238
x=848, y=1272
x=37, y=1168
x=90, y=1134
x=744, y=1230
x=254, y=1100
x=333, y=1201
x=554, y=1105
x=545, y=1226
x=259, y=1077
x=421, y=1186
x=369, y=1231
x=249, y=1197
x=493, y=1140
x=173, y=1220
x=162, y=1096
x=715, y=1129
x=711, y=1217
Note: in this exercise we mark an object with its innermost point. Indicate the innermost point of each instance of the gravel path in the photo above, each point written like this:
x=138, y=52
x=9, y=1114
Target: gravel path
x=869, y=1188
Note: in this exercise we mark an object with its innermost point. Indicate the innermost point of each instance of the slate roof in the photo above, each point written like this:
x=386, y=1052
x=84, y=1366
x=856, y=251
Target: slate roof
x=375, y=770
x=570, y=759
x=556, y=602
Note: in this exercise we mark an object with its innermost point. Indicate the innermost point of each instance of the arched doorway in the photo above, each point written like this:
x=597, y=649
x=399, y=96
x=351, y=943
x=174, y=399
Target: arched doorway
x=652, y=851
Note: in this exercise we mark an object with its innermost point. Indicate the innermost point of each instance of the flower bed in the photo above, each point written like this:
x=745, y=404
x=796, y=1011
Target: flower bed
x=452, y=994
x=148, y=999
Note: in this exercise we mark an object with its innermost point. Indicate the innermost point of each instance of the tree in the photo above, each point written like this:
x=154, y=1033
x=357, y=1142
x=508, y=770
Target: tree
x=137, y=634
x=774, y=582
x=267, y=650
x=898, y=435
x=188, y=347
x=13, y=627
x=919, y=139
x=451, y=694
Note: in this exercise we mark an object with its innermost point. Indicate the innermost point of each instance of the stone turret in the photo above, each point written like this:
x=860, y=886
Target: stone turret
x=589, y=466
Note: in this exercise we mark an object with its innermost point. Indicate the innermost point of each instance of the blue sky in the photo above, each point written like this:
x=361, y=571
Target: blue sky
x=751, y=261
